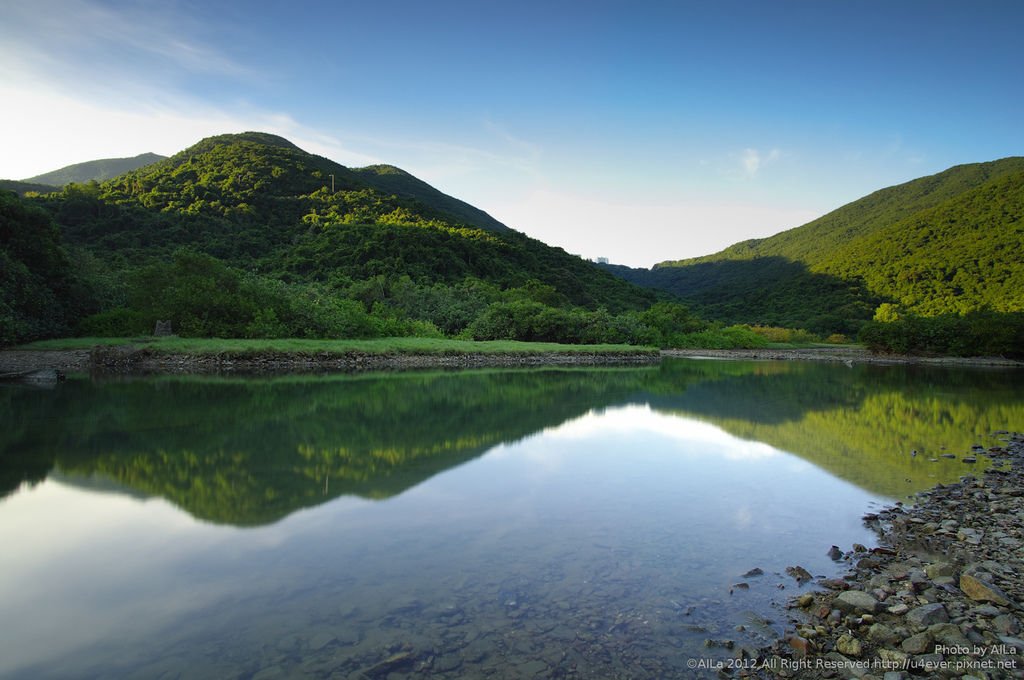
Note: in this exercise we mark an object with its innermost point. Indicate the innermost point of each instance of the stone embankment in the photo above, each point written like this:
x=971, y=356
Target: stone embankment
x=133, y=360
x=940, y=597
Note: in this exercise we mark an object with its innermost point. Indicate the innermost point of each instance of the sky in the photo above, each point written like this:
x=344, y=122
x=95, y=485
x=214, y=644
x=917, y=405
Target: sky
x=636, y=131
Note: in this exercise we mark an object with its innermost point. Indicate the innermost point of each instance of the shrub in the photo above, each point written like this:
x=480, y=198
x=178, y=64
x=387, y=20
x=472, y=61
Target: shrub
x=732, y=337
x=116, y=323
x=981, y=333
x=786, y=335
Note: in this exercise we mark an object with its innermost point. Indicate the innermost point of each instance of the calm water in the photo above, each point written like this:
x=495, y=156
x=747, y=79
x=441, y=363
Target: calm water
x=501, y=524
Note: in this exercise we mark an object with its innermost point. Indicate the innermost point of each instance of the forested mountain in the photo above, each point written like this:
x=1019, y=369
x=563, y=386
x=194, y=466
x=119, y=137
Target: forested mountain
x=391, y=180
x=246, y=235
x=257, y=201
x=947, y=243
x=98, y=170
x=22, y=188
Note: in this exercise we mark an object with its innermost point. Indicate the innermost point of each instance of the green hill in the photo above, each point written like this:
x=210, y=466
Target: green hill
x=392, y=180
x=257, y=201
x=98, y=170
x=246, y=235
x=947, y=243
x=22, y=188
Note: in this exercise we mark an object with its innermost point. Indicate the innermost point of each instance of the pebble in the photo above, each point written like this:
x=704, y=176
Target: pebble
x=939, y=595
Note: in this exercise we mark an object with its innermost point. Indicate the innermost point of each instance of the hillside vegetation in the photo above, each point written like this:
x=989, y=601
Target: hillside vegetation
x=249, y=236
x=98, y=170
x=945, y=244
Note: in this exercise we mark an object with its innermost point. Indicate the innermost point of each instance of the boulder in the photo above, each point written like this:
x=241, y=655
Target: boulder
x=917, y=644
x=857, y=602
x=980, y=590
x=927, y=615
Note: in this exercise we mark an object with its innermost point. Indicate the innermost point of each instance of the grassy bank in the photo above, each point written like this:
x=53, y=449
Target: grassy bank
x=381, y=346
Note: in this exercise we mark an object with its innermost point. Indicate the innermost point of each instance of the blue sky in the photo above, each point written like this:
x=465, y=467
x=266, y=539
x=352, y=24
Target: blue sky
x=637, y=131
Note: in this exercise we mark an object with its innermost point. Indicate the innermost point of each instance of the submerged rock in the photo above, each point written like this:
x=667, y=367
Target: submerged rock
x=799, y=573
x=901, y=613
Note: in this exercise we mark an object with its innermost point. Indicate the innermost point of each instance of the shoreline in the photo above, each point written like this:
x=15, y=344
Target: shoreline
x=847, y=355
x=940, y=597
x=127, y=359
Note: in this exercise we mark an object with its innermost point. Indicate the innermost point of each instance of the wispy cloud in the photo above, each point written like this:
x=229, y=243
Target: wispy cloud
x=74, y=40
x=83, y=80
x=752, y=160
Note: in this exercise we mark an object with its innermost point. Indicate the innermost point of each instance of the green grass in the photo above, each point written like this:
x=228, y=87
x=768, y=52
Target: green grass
x=175, y=345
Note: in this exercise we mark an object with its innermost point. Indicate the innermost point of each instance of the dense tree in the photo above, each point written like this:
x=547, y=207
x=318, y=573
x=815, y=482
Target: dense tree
x=39, y=294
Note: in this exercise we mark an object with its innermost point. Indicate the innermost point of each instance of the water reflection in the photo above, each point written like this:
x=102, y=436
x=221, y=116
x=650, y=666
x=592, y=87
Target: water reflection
x=608, y=544
x=249, y=452
x=505, y=523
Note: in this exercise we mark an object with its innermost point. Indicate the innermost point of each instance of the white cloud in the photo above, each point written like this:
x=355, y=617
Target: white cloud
x=752, y=160
x=48, y=130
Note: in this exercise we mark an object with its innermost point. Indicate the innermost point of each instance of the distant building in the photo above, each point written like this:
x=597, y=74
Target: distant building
x=602, y=260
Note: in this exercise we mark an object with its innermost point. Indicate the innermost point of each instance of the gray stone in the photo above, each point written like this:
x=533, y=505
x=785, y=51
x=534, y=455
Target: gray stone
x=1005, y=624
x=917, y=644
x=476, y=651
x=986, y=610
x=857, y=602
x=949, y=635
x=446, y=663
x=531, y=668
x=938, y=569
x=1014, y=642
x=893, y=657
x=927, y=615
x=928, y=662
x=321, y=640
x=881, y=634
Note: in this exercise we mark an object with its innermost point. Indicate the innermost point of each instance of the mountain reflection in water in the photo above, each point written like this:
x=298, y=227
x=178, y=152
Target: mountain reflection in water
x=251, y=451
x=501, y=524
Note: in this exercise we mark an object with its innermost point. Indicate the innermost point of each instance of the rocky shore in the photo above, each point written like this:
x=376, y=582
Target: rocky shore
x=128, y=360
x=105, y=359
x=940, y=597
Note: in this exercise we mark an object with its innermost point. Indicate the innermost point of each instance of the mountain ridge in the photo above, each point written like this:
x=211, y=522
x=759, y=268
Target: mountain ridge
x=96, y=170
x=283, y=242
x=956, y=232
